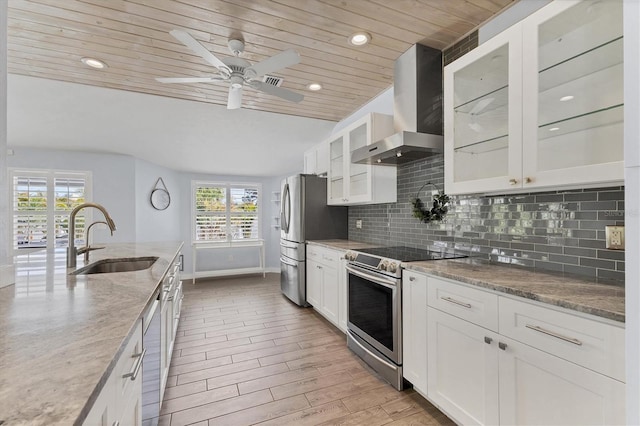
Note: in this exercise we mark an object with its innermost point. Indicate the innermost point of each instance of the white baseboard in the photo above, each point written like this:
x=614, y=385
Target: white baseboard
x=7, y=275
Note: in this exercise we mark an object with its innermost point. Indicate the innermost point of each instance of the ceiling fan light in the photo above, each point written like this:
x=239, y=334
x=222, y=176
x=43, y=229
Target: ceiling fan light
x=314, y=86
x=359, y=39
x=94, y=63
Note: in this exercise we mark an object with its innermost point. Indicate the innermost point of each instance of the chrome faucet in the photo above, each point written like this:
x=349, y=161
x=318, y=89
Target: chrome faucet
x=72, y=252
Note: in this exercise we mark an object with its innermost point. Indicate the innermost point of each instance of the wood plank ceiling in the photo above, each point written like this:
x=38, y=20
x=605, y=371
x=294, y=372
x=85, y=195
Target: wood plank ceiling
x=47, y=38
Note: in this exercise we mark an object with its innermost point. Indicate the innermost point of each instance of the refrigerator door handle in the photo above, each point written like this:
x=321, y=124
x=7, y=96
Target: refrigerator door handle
x=288, y=263
x=286, y=208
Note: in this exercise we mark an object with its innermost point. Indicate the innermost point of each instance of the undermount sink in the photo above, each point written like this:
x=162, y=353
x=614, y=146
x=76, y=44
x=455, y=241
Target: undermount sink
x=116, y=265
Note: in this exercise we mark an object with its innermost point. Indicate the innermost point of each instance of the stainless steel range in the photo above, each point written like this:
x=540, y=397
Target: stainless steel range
x=374, y=326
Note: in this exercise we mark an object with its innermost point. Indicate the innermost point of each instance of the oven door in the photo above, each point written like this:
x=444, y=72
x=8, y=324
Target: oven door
x=374, y=312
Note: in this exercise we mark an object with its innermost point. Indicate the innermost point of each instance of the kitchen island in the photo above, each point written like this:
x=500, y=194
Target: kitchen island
x=61, y=334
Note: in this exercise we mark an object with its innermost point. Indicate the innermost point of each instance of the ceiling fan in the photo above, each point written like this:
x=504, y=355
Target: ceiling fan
x=237, y=71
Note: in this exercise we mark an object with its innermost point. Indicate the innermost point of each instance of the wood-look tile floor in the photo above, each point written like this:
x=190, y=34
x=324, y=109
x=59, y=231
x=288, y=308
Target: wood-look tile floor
x=246, y=355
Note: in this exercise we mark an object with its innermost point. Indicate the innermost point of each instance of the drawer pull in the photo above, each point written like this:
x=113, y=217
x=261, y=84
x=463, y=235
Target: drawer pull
x=412, y=278
x=502, y=346
x=456, y=302
x=556, y=335
x=488, y=340
x=136, y=368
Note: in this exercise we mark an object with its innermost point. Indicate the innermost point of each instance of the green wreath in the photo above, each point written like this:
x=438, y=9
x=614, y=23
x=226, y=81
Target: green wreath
x=437, y=212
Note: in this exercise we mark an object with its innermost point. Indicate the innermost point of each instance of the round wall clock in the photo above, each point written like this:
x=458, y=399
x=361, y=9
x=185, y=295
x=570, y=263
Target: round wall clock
x=160, y=198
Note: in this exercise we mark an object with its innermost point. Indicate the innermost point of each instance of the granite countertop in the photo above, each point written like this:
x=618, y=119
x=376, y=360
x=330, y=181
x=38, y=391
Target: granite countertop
x=60, y=334
x=575, y=293
x=342, y=244
x=571, y=292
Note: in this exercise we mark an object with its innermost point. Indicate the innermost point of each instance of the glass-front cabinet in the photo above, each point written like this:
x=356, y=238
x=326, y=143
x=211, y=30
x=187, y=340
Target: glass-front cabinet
x=573, y=131
x=540, y=105
x=351, y=183
x=483, y=116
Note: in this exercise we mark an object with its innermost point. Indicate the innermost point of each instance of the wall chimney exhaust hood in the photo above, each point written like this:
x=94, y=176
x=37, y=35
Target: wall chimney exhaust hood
x=417, y=111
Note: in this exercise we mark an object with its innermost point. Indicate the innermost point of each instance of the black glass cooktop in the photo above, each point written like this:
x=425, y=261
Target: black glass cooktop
x=409, y=254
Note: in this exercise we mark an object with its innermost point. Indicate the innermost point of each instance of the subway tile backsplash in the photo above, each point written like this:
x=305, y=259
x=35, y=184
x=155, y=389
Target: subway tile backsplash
x=562, y=231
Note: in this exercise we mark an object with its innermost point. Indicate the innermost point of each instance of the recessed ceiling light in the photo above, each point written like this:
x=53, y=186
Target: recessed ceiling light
x=553, y=129
x=314, y=86
x=359, y=39
x=566, y=98
x=94, y=63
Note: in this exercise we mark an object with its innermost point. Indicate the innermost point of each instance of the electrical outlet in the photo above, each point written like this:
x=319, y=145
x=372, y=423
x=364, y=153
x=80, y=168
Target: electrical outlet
x=615, y=237
x=359, y=223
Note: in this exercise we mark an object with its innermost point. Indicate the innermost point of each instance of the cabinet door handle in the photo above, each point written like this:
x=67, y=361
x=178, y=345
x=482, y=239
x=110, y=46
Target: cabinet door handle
x=412, y=278
x=456, y=302
x=502, y=346
x=133, y=374
x=488, y=340
x=513, y=181
x=553, y=334
x=528, y=180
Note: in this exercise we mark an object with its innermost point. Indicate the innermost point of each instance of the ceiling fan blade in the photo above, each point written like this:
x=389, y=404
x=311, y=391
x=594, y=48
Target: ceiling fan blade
x=235, y=98
x=197, y=48
x=277, y=91
x=187, y=79
x=281, y=60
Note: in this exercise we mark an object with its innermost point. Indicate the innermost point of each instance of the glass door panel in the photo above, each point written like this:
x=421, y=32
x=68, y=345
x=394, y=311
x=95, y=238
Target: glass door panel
x=580, y=87
x=481, y=117
x=336, y=169
x=358, y=173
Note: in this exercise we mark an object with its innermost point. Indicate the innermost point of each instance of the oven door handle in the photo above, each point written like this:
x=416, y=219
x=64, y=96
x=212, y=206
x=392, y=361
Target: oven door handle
x=371, y=354
x=383, y=282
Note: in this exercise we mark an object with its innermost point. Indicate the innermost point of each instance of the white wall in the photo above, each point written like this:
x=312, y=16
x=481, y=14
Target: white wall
x=152, y=224
x=383, y=103
x=632, y=204
x=113, y=178
x=6, y=263
x=513, y=14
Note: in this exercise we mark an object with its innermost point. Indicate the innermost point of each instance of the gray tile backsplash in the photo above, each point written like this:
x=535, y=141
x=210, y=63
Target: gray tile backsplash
x=561, y=231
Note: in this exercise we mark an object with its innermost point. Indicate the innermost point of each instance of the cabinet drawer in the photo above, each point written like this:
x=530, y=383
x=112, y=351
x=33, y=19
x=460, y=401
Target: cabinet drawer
x=590, y=343
x=324, y=255
x=474, y=305
x=128, y=369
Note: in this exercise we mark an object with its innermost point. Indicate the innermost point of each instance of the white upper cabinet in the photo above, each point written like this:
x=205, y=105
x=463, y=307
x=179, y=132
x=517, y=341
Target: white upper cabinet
x=540, y=105
x=315, y=160
x=351, y=183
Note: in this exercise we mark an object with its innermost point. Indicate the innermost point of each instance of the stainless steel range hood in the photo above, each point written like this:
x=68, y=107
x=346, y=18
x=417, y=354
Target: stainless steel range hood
x=417, y=111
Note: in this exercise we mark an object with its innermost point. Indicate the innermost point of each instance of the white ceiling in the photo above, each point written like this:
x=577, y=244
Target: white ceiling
x=179, y=134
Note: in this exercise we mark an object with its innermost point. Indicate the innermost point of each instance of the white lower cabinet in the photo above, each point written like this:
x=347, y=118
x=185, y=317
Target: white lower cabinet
x=539, y=388
x=462, y=369
x=493, y=359
x=120, y=399
x=343, y=314
x=325, y=284
x=414, y=330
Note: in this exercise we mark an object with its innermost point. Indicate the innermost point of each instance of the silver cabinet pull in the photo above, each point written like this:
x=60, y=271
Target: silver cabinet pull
x=456, y=302
x=553, y=334
x=133, y=374
x=412, y=278
x=502, y=346
x=488, y=340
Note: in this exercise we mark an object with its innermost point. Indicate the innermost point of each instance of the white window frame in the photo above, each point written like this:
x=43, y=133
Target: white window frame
x=228, y=214
x=50, y=175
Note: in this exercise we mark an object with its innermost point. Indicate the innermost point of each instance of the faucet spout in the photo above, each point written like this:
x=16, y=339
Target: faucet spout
x=72, y=252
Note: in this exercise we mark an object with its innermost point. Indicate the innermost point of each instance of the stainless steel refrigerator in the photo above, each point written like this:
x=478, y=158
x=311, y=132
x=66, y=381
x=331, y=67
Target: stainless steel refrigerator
x=304, y=216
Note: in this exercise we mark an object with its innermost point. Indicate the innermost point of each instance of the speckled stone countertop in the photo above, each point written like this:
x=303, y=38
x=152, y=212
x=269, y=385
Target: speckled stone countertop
x=341, y=244
x=60, y=334
x=583, y=295
x=571, y=292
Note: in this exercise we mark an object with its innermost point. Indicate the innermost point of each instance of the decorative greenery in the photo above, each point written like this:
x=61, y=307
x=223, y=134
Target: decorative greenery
x=437, y=212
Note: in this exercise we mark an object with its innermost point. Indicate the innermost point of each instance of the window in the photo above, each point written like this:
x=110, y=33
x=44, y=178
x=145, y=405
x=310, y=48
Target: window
x=42, y=201
x=225, y=212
